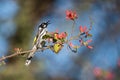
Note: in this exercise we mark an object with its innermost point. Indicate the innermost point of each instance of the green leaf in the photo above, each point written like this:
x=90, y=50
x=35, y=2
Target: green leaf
x=85, y=43
x=57, y=47
x=46, y=36
x=54, y=40
x=89, y=35
x=62, y=40
x=43, y=43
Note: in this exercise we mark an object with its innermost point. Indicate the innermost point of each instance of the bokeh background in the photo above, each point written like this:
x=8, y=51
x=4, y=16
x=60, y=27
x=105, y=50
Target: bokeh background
x=18, y=26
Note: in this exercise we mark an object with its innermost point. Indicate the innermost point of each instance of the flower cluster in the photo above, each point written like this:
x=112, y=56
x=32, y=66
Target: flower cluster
x=85, y=43
x=103, y=74
x=84, y=36
x=71, y=15
x=83, y=30
x=56, y=40
x=17, y=50
x=61, y=35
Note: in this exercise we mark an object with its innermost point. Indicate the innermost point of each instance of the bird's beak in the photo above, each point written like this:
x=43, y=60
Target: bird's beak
x=48, y=22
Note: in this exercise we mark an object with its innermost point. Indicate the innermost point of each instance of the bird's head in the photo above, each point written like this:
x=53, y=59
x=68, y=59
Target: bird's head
x=44, y=24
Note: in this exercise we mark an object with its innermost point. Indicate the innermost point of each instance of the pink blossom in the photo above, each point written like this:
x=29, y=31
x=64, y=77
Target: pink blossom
x=97, y=72
x=71, y=45
x=109, y=76
x=83, y=29
x=71, y=15
x=61, y=35
x=85, y=43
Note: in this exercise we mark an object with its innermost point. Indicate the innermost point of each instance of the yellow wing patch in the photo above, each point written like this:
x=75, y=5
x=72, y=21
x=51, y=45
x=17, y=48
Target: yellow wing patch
x=34, y=41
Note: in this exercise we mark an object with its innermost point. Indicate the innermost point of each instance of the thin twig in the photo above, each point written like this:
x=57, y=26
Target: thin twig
x=14, y=54
x=73, y=26
x=73, y=38
x=20, y=53
x=91, y=23
x=47, y=47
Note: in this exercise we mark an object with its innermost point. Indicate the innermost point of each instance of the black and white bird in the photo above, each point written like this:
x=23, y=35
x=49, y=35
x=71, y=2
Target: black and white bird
x=38, y=42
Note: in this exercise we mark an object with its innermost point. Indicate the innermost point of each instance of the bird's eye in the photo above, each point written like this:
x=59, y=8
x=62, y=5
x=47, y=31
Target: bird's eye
x=42, y=24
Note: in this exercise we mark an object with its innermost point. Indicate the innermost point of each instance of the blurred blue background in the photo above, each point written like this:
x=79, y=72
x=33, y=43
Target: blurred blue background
x=18, y=26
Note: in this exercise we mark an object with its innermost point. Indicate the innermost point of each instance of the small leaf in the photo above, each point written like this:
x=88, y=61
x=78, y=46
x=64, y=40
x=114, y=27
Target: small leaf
x=90, y=47
x=54, y=40
x=89, y=35
x=72, y=49
x=62, y=40
x=46, y=36
x=2, y=63
x=57, y=47
x=81, y=29
x=88, y=41
x=85, y=43
x=82, y=33
x=56, y=36
x=17, y=50
x=43, y=43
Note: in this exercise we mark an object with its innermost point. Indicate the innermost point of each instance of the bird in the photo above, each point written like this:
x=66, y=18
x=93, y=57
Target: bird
x=38, y=41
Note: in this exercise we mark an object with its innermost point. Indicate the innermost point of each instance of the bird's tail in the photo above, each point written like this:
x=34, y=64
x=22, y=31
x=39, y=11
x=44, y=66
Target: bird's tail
x=30, y=56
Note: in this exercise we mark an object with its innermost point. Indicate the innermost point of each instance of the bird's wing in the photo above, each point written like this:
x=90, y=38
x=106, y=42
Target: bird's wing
x=35, y=39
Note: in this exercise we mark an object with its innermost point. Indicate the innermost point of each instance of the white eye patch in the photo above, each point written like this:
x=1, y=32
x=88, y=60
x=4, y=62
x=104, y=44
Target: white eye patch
x=44, y=25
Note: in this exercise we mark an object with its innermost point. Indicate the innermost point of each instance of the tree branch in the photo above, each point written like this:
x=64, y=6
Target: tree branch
x=14, y=54
x=47, y=47
x=20, y=53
